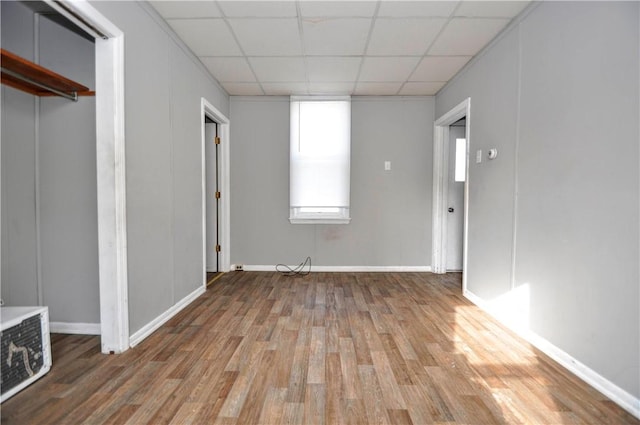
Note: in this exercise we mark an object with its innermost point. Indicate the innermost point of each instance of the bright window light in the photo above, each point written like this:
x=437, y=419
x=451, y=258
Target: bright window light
x=320, y=150
x=461, y=160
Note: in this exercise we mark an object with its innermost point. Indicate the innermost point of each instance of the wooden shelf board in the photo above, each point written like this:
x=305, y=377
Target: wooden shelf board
x=40, y=74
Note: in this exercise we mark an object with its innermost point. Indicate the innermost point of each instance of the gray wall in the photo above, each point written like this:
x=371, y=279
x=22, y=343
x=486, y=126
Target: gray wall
x=558, y=211
x=390, y=210
x=163, y=88
x=49, y=223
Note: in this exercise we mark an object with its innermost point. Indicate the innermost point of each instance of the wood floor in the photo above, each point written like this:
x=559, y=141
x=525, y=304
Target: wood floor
x=261, y=348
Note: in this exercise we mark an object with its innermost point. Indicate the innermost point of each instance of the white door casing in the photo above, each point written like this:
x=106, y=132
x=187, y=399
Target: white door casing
x=440, y=185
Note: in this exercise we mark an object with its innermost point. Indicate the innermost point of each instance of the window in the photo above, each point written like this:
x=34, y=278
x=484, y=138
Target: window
x=461, y=160
x=320, y=154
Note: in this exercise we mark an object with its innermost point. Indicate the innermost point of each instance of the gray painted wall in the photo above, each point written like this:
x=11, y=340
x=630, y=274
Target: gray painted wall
x=163, y=87
x=558, y=211
x=390, y=210
x=49, y=150
x=19, y=267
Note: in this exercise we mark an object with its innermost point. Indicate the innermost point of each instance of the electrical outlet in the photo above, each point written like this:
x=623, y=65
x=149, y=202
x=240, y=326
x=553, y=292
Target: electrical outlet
x=239, y=267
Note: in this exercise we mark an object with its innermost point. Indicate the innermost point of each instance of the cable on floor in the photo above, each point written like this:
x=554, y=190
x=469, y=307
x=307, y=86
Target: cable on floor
x=296, y=271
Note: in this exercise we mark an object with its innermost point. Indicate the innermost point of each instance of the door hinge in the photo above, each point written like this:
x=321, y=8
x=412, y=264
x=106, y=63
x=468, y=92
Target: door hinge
x=218, y=248
x=217, y=195
x=216, y=140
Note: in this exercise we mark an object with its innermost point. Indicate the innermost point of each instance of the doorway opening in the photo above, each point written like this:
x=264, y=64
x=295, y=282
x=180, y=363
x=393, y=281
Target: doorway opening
x=451, y=189
x=215, y=193
x=212, y=199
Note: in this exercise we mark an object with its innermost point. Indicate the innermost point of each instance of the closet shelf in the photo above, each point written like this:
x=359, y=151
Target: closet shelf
x=32, y=78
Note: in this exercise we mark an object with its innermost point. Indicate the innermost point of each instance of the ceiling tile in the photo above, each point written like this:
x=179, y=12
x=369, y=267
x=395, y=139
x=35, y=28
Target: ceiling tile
x=268, y=37
x=243, y=89
x=285, y=89
x=421, y=89
x=377, y=89
x=206, y=37
x=492, y=9
x=258, y=9
x=417, y=8
x=466, y=36
x=279, y=70
x=229, y=69
x=337, y=8
x=187, y=9
x=331, y=88
x=387, y=69
x=324, y=69
x=406, y=36
x=335, y=37
x=438, y=68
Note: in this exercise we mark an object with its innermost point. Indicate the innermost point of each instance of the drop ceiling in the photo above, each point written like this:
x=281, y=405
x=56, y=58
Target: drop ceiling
x=360, y=47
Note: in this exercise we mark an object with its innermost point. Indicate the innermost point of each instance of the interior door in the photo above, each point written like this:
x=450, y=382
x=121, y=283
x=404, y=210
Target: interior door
x=211, y=188
x=455, y=206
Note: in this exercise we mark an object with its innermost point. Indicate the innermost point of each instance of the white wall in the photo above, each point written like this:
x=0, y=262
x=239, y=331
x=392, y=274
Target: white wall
x=163, y=90
x=390, y=210
x=555, y=217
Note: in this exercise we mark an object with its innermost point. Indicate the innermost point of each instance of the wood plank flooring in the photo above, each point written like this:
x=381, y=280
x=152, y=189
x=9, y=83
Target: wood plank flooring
x=327, y=348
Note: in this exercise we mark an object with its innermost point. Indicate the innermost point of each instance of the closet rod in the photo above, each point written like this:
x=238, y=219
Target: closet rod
x=71, y=96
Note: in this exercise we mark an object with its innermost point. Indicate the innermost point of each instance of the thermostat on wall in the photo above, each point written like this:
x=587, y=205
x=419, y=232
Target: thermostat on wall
x=492, y=154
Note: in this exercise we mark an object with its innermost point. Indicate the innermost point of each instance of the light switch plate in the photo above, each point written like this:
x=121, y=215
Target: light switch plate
x=478, y=156
x=387, y=165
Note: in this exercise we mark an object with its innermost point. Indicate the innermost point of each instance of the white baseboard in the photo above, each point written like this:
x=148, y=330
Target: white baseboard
x=74, y=328
x=342, y=269
x=619, y=396
x=152, y=326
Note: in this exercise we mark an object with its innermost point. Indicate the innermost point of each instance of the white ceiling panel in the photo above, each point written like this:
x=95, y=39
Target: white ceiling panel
x=387, y=69
x=331, y=88
x=406, y=36
x=424, y=89
x=363, y=47
x=285, y=89
x=377, y=89
x=206, y=37
x=227, y=69
x=335, y=37
x=417, y=8
x=324, y=69
x=334, y=8
x=491, y=9
x=243, y=89
x=465, y=36
x=438, y=68
x=279, y=70
x=268, y=37
x=258, y=9
x=187, y=9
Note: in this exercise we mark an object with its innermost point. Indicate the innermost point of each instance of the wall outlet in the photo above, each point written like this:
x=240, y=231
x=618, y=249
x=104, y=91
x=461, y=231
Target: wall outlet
x=239, y=267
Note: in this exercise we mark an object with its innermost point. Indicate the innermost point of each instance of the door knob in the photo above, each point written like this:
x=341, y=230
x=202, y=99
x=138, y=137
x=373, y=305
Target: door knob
x=450, y=209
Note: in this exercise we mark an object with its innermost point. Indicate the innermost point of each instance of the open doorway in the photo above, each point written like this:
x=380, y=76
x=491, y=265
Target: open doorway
x=455, y=194
x=215, y=192
x=212, y=199
x=450, y=190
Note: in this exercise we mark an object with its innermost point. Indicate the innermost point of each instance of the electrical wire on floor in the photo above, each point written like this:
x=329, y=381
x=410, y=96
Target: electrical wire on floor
x=296, y=271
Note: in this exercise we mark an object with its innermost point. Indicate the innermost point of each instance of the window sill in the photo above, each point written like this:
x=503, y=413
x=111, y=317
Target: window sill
x=319, y=220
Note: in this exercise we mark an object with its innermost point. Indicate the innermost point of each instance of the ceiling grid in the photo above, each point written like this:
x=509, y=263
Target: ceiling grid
x=363, y=47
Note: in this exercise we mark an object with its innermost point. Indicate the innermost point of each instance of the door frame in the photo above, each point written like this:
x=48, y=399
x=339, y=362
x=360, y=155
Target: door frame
x=224, y=211
x=111, y=168
x=441, y=187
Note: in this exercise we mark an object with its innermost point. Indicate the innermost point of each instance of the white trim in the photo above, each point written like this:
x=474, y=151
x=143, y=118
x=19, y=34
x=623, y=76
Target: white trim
x=224, y=227
x=441, y=190
x=75, y=328
x=152, y=326
x=111, y=178
x=619, y=396
x=344, y=269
